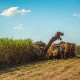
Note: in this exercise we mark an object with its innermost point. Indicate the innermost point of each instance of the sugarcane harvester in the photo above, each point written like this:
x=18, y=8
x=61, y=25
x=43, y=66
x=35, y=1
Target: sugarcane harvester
x=60, y=50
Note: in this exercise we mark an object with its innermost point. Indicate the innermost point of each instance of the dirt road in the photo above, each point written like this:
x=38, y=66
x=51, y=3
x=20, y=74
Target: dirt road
x=68, y=69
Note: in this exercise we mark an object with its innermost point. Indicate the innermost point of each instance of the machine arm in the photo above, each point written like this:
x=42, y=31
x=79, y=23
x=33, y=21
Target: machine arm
x=57, y=36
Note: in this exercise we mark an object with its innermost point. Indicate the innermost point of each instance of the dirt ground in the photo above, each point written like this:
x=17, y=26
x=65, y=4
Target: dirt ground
x=68, y=69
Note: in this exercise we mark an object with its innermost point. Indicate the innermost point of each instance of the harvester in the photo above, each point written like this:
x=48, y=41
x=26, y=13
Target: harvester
x=61, y=50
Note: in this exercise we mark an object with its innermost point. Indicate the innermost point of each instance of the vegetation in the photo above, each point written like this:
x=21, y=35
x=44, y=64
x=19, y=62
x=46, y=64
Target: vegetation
x=16, y=51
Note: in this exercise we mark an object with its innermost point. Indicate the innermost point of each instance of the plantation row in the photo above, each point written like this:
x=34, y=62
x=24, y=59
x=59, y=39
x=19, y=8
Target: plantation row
x=17, y=51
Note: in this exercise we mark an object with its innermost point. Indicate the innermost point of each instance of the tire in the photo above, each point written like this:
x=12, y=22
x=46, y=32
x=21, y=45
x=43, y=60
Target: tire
x=73, y=55
x=64, y=56
x=61, y=56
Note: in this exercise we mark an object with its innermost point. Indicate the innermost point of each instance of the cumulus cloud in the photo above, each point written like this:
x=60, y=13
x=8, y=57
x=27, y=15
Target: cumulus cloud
x=19, y=27
x=14, y=10
x=76, y=15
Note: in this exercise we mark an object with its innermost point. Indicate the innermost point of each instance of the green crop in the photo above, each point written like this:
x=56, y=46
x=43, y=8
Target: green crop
x=16, y=51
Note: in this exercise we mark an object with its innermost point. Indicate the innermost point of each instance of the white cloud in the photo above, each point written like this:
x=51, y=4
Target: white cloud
x=76, y=15
x=14, y=10
x=23, y=11
x=19, y=27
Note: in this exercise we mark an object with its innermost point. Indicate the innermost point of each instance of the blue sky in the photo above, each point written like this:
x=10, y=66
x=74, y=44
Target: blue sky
x=40, y=19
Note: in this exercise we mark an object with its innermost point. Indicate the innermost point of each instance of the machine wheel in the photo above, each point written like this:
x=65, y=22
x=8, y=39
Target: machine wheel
x=50, y=56
x=61, y=56
x=67, y=55
x=73, y=55
x=64, y=56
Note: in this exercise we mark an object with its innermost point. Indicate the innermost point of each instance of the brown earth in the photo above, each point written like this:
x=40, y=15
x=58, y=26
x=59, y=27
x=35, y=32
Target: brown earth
x=68, y=69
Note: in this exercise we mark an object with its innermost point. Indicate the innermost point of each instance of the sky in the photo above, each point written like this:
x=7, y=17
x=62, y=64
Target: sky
x=40, y=19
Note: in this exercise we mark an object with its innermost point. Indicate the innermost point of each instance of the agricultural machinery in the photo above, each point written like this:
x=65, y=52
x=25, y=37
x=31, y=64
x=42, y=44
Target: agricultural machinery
x=60, y=50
